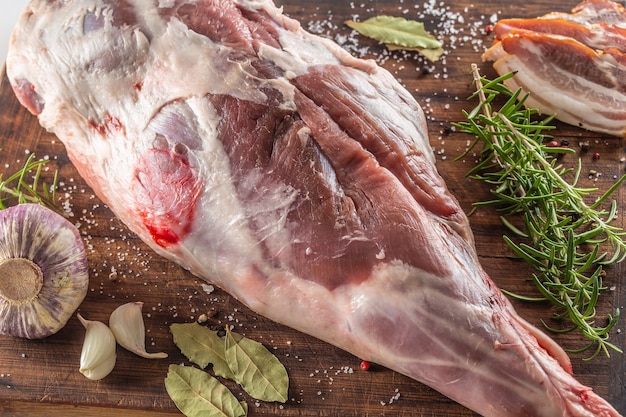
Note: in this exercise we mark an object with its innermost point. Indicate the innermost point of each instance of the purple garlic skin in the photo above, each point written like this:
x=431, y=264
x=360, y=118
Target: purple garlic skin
x=43, y=271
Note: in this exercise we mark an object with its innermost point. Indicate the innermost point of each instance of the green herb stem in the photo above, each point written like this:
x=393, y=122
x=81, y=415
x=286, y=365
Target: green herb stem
x=26, y=186
x=560, y=235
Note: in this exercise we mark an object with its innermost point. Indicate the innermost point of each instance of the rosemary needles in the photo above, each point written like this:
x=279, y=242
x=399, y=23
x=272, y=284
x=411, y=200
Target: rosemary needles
x=26, y=186
x=565, y=239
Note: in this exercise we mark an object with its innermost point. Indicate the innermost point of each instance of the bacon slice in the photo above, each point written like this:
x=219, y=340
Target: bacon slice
x=572, y=64
x=599, y=36
x=595, y=11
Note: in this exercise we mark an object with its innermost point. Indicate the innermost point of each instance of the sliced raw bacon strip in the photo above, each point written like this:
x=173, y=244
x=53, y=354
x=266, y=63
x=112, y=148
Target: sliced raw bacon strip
x=594, y=11
x=598, y=36
x=597, y=11
x=572, y=64
x=578, y=85
x=298, y=178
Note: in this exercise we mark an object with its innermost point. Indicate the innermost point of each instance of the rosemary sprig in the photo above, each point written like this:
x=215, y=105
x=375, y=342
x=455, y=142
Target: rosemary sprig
x=26, y=186
x=567, y=238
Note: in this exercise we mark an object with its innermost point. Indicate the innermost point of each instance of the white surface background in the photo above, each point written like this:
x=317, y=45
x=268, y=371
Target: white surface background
x=11, y=9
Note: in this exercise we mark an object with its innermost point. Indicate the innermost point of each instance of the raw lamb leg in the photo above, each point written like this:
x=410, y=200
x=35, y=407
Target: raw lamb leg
x=299, y=179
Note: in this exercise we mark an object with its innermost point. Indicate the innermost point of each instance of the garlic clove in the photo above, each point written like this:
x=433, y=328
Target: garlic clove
x=43, y=271
x=126, y=323
x=97, y=358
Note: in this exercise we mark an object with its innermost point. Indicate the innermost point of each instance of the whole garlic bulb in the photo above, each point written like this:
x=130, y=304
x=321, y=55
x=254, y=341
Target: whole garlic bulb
x=43, y=271
x=97, y=358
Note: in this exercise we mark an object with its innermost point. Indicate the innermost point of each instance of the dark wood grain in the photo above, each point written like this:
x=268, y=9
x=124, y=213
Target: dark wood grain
x=40, y=377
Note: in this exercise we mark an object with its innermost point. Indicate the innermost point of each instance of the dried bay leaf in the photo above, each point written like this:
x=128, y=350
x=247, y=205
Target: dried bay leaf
x=431, y=54
x=396, y=30
x=198, y=394
x=399, y=33
x=202, y=346
x=256, y=369
x=235, y=357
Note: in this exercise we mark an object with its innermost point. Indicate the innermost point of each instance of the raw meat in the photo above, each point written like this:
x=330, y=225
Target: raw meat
x=273, y=164
x=574, y=65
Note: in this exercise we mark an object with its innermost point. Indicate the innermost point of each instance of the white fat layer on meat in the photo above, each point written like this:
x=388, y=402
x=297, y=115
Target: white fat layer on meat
x=148, y=17
x=166, y=3
x=193, y=66
x=410, y=125
x=225, y=231
x=198, y=66
x=444, y=357
x=299, y=51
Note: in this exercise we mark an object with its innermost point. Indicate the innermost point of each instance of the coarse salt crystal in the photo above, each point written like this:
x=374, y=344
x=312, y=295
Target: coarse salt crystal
x=208, y=288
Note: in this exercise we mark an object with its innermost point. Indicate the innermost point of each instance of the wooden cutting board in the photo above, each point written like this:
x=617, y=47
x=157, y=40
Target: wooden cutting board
x=40, y=377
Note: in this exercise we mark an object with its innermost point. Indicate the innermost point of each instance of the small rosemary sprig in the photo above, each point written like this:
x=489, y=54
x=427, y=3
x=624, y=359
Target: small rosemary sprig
x=568, y=239
x=26, y=186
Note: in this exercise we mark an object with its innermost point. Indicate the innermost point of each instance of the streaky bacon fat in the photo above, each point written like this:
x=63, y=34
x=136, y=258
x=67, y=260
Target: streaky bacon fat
x=573, y=65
